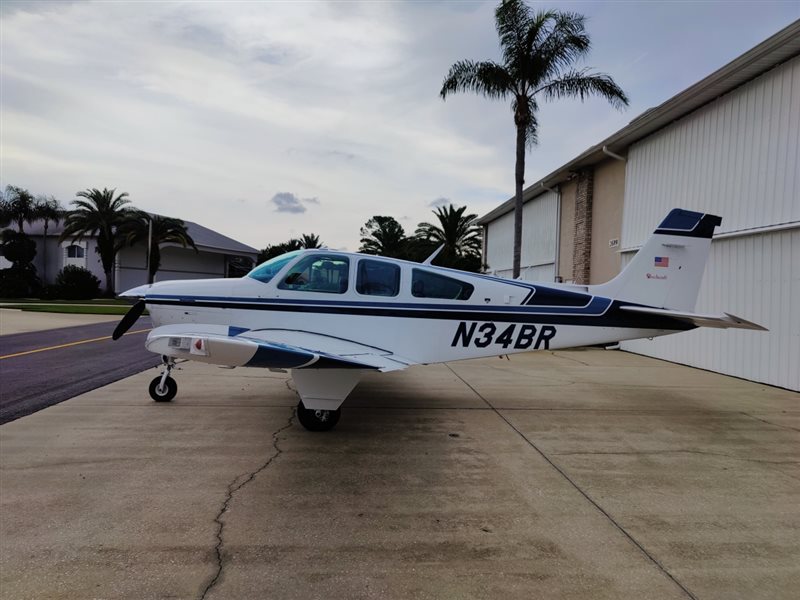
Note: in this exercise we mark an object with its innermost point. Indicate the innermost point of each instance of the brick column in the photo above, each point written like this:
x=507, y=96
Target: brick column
x=582, y=244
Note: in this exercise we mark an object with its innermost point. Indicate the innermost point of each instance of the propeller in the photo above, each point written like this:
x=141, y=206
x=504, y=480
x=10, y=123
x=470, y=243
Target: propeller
x=128, y=320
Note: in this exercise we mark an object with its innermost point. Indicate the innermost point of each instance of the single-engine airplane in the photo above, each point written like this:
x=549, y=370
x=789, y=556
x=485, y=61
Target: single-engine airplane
x=331, y=316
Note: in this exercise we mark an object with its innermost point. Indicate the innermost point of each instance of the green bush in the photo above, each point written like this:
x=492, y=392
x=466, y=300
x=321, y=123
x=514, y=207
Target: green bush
x=77, y=283
x=19, y=280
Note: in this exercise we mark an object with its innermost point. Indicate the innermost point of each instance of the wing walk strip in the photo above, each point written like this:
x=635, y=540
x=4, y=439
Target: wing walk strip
x=580, y=490
x=67, y=345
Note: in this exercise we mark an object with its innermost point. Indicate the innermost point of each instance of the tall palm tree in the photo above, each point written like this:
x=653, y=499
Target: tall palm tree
x=100, y=213
x=165, y=230
x=19, y=207
x=539, y=51
x=384, y=236
x=49, y=210
x=459, y=235
x=310, y=240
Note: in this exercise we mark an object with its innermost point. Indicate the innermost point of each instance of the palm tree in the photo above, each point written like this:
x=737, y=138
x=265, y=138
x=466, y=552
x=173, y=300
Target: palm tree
x=19, y=207
x=48, y=209
x=165, y=230
x=100, y=214
x=310, y=240
x=384, y=236
x=459, y=235
x=539, y=52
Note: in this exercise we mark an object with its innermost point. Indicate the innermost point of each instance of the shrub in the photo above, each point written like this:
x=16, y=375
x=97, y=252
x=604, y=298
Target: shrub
x=20, y=280
x=77, y=283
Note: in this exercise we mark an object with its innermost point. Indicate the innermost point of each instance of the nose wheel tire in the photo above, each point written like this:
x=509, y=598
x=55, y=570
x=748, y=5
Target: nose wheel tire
x=165, y=393
x=317, y=420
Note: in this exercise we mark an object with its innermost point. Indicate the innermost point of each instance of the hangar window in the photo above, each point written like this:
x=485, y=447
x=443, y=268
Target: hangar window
x=75, y=251
x=378, y=278
x=267, y=270
x=318, y=273
x=425, y=284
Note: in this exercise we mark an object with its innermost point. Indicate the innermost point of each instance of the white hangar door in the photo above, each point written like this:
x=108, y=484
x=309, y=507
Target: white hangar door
x=539, y=226
x=738, y=157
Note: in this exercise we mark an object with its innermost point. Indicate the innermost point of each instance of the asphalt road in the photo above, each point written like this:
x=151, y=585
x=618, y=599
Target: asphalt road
x=42, y=368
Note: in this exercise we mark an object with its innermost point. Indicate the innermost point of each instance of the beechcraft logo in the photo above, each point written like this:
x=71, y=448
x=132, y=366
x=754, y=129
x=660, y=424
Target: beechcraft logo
x=661, y=261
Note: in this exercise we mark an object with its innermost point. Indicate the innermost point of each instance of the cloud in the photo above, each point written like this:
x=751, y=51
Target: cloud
x=288, y=202
x=441, y=201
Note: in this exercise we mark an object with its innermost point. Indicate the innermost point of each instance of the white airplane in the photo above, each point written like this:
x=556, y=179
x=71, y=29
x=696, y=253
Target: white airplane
x=331, y=316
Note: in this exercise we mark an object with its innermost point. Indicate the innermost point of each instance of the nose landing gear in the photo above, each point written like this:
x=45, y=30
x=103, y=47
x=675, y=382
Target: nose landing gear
x=164, y=388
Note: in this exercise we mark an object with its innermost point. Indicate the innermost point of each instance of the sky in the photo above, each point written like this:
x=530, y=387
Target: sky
x=266, y=120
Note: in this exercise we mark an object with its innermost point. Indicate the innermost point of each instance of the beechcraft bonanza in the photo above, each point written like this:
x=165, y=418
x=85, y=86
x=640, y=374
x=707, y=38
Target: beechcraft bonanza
x=330, y=317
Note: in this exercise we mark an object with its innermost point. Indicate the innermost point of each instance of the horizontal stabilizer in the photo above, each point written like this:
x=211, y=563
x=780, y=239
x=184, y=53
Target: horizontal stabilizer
x=723, y=321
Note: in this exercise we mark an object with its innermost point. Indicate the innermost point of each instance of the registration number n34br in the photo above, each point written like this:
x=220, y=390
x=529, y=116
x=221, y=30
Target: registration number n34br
x=517, y=336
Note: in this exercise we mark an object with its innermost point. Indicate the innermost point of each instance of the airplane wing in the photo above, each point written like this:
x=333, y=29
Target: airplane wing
x=723, y=321
x=270, y=348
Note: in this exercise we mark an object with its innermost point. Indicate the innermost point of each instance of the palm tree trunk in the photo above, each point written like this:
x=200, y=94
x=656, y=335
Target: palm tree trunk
x=44, y=255
x=109, y=284
x=519, y=180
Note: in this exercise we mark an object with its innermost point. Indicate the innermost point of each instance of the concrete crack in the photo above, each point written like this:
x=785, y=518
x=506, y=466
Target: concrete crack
x=234, y=486
x=770, y=422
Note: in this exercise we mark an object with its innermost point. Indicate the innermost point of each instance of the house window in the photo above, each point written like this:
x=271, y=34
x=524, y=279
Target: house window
x=425, y=284
x=75, y=251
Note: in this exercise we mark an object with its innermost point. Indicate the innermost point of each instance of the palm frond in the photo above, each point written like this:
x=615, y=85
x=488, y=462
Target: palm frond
x=582, y=84
x=487, y=78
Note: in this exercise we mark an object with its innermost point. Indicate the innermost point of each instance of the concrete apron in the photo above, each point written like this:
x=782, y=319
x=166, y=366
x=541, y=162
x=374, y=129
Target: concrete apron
x=584, y=474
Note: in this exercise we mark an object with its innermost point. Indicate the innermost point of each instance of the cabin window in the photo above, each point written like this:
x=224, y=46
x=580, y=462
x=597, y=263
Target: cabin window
x=318, y=273
x=267, y=270
x=425, y=284
x=75, y=251
x=378, y=278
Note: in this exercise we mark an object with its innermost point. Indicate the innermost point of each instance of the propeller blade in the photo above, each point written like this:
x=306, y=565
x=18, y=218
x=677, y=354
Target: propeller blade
x=128, y=320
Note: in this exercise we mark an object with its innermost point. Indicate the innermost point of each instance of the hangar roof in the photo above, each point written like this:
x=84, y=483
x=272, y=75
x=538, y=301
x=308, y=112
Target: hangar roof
x=767, y=55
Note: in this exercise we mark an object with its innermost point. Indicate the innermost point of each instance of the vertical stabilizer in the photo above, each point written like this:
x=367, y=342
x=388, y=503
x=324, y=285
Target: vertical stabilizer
x=667, y=271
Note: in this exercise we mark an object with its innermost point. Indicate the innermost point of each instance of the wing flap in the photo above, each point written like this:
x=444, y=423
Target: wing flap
x=723, y=321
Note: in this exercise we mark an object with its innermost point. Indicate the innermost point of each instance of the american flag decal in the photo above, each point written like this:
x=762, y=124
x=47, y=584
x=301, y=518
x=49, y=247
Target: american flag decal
x=661, y=261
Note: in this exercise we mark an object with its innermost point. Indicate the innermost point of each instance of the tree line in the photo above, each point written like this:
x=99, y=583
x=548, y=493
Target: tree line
x=382, y=235
x=103, y=214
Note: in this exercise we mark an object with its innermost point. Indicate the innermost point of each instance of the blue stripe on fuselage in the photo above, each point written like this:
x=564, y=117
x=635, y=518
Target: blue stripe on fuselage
x=596, y=306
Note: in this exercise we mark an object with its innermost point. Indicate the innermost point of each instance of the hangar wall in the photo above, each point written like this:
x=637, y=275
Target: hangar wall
x=738, y=157
x=539, y=227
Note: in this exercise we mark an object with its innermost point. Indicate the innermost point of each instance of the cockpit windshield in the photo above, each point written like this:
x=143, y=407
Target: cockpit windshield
x=267, y=270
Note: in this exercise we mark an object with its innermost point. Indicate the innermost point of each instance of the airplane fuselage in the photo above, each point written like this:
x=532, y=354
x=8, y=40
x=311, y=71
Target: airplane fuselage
x=498, y=317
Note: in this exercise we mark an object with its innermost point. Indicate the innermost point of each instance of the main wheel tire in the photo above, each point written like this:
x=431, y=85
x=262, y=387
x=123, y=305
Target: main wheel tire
x=317, y=420
x=165, y=395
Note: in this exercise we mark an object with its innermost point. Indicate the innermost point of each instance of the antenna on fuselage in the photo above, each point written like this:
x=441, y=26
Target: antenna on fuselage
x=429, y=260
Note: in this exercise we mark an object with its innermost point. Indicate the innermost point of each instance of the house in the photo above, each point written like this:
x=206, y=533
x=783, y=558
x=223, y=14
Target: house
x=728, y=145
x=217, y=256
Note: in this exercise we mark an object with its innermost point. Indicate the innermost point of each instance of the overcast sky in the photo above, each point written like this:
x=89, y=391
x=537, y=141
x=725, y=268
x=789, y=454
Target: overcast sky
x=267, y=120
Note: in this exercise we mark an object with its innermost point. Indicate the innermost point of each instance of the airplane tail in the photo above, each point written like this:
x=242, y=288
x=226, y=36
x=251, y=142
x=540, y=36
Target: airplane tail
x=667, y=271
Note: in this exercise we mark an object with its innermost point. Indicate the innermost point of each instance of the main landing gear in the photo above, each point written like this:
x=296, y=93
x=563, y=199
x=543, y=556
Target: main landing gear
x=164, y=388
x=317, y=420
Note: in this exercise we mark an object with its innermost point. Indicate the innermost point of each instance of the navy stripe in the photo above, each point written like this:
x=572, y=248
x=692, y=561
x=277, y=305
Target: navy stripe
x=597, y=305
x=613, y=317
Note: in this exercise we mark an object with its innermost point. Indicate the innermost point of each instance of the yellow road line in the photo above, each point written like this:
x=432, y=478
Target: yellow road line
x=100, y=339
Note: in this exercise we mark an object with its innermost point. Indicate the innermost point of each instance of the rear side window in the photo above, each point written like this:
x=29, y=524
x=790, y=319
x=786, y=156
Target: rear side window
x=425, y=284
x=318, y=273
x=378, y=278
